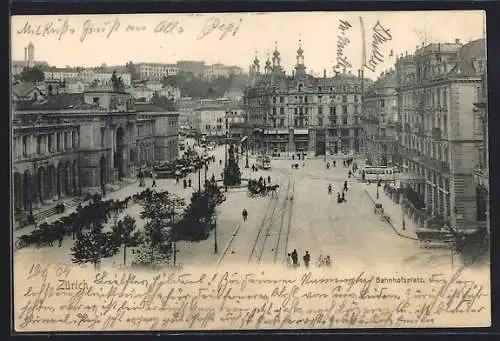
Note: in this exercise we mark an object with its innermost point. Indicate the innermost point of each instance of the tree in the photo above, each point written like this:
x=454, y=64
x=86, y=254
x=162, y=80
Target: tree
x=124, y=233
x=162, y=102
x=117, y=82
x=94, y=245
x=159, y=211
x=32, y=74
x=232, y=173
x=132, y=70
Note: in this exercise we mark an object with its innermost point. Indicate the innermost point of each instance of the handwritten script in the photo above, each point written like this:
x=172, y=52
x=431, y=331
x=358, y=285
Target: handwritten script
x=62, y=28
x=60, y=298
x=380, y=36
x=342, y=42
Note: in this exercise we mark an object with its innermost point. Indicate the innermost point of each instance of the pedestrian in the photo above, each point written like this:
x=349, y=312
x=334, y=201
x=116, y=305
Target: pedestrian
x=328, y=165
x=330, y=189
x=345, y=185
x=328, y=262
x=184, y=183
x=339, y=199
x=303, y=163
x=154, y=183
x=295, y=258
x=189, y=183
x=222, y=175
x=244, y=214
x=343, y=196
x=321, y=261
x=334, y=163
x=289, y=260
x=220, y=162
x=176, y=179
x=213, y=177
x=349, y=173
x=293, y=156
x=307, y=259
x=269, y=179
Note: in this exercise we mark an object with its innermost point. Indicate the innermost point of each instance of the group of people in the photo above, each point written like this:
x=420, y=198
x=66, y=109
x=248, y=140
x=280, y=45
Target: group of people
x=293, y=259
x=340, y=197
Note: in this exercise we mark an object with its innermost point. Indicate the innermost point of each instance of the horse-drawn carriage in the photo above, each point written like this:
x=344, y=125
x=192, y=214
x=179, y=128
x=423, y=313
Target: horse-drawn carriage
x=255, y=188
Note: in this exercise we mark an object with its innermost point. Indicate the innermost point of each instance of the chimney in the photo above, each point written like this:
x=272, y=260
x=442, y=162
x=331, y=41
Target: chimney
x=324, y=73
x=457, y=41
x=25, y=53
x=359, y=73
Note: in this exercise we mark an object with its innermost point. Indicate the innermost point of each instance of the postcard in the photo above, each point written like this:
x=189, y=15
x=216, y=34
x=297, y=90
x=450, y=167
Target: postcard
x=243, y=171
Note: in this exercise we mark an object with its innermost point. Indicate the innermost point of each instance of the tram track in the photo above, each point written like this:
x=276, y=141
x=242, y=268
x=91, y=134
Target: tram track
x=266, y=221
x=289, y=197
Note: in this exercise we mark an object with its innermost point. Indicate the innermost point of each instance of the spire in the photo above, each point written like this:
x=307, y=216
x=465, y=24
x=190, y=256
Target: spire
x=276, y=58
x=268, y=64
x=299, y=66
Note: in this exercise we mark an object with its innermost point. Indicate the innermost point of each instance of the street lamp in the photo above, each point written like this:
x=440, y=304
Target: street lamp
x=403, y=210
x=246, y=161
x=215, y=238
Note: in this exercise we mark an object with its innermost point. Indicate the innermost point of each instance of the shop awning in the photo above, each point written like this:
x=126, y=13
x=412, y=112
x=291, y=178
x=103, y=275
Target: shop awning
x=301, y=132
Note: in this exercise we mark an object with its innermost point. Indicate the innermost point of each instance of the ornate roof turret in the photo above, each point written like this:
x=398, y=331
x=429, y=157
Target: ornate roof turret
x=300, y=51
x=276, y=53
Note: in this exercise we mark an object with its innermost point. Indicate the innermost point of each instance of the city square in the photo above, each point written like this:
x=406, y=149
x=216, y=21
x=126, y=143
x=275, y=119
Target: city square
x=302, y=188
x=236, y=172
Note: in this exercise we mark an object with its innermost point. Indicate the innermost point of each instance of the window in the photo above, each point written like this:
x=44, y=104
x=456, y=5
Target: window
x=274, y=99
x=274, y=111
x=382, y=103
x=207, y=126
x=282, y=111
x=39, y=145
x=320, y=121
x=51, y=143
x=320, y=98
x=295, y=110
x=282, y=99
x=305, y=99
x=344, y=120
x=103, y=132
x=320, y=110
x=344, y=97
x=332, y=110
x=344, y=109
x=25, y=145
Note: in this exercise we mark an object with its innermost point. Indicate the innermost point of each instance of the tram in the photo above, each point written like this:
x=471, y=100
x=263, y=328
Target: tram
x=264, y=162
x=378, y=173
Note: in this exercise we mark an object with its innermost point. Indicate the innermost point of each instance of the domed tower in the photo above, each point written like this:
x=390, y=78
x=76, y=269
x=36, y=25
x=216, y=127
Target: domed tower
x=300, y=68
x=268, y=67
x=276, y=58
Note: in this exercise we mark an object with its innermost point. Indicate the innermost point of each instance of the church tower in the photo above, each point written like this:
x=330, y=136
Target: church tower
x=31, y=55
x=276, y=59
x=300, y=68
x=268, y=68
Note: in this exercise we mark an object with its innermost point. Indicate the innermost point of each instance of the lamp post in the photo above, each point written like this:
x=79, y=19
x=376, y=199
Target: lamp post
x=225, y=144
x=378, y=185
x=246, y=160
x=403, y=210
x=215, y=238
x=173, y=234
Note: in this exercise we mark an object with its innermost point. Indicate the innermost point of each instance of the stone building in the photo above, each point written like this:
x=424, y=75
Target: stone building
x=302, y=113
x=440, y=136
x=70, y=145
x=482, y=172
x=209, y=118
x=380, y=120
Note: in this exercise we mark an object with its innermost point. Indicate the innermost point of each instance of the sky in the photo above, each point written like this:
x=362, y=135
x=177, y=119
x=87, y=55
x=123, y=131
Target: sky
x=233, y=39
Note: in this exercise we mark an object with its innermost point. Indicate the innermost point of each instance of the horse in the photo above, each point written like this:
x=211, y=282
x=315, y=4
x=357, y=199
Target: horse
x=272, y=189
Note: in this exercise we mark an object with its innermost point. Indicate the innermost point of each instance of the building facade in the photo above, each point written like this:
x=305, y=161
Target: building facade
x=380, y=120
x=482, y=172
x=220, y=70
x=156, y=71
x=303, y=113
x=209, y=118
x=29, y=60
x=60, y=153
x=87, y=76
x=440, y=136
